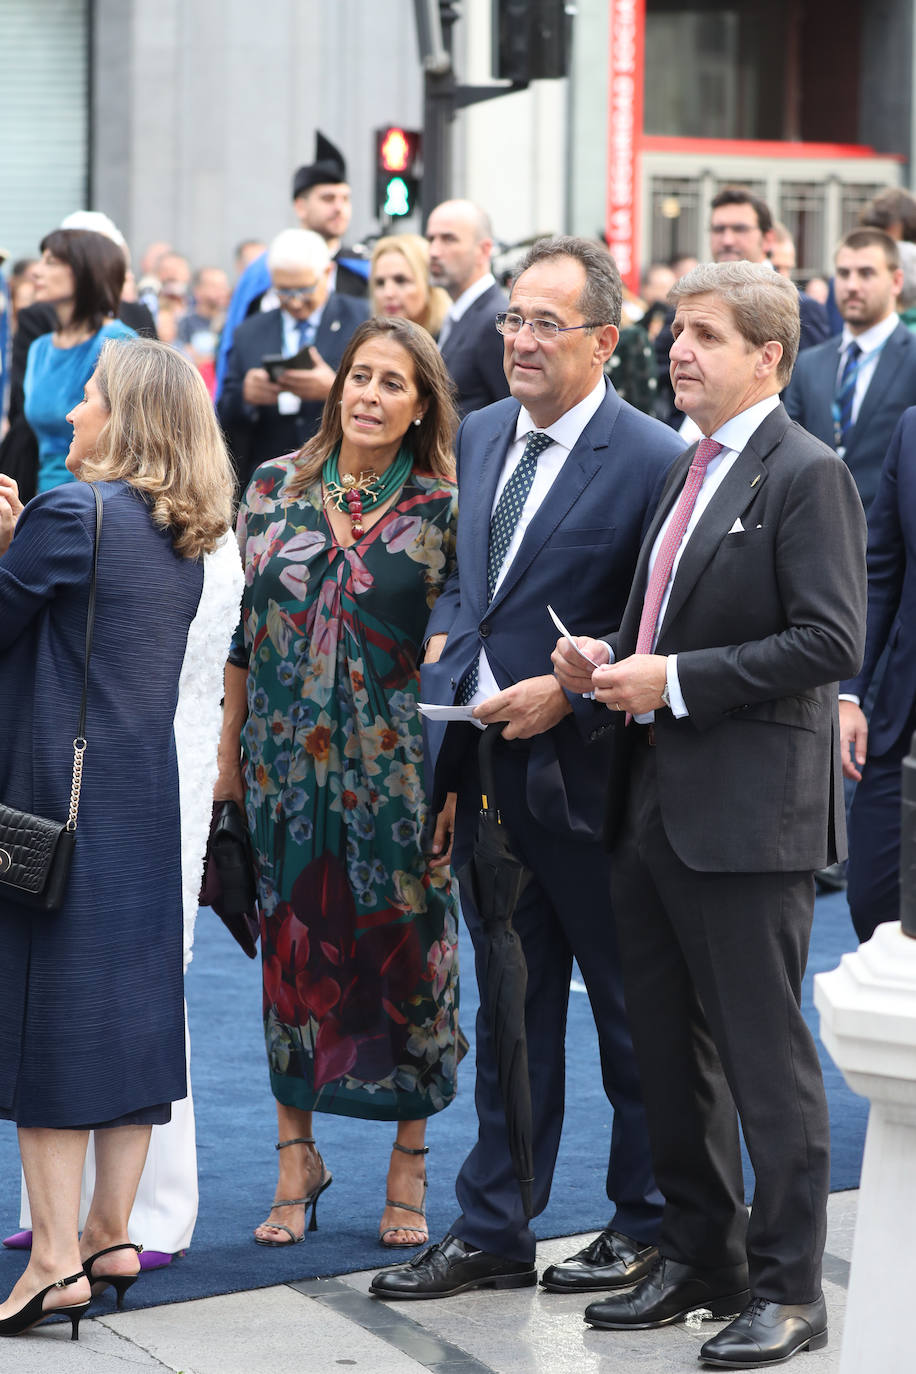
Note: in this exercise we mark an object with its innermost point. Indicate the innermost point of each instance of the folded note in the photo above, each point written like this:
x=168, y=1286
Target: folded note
x=567, y=634
x=434, y=712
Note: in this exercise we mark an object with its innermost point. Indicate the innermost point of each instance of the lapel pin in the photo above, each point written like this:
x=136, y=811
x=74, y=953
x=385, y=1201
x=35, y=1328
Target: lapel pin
x=756, y=479
x=335, y=324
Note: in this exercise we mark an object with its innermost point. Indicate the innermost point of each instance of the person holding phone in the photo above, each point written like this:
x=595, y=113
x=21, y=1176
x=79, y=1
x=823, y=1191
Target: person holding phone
x=265, y=409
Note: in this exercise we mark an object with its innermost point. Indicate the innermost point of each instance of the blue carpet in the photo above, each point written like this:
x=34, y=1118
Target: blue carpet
x=236, y=1133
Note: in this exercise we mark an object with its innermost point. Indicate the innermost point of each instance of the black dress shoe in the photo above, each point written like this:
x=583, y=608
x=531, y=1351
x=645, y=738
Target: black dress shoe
x=768, y=1333
x=450, y=1267
x=612, y=1260
x=832, y=878
x=667, y=1293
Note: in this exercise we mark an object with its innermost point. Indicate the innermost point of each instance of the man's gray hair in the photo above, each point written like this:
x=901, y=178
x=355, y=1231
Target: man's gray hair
x=601, y=300
x=764, y=304
x=296, y=250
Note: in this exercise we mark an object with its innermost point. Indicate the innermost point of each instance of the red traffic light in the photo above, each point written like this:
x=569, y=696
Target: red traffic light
x=395, y=150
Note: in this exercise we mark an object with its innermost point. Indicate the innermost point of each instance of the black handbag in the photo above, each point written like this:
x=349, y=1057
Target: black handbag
x=35, y=852
x=229, y=881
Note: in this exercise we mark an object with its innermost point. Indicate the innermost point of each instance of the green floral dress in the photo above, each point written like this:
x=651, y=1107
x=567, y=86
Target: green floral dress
x=358, y=935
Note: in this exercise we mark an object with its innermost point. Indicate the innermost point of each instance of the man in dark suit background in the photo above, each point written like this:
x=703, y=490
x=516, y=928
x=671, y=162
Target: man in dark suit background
x=851, y=391
x=747, y=608
x=579, y=470
x=874, y=750
x=741, y=229
x=460, y=248
x=265, y=418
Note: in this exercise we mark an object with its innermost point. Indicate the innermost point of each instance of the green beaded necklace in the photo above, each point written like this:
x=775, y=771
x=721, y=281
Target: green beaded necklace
x=356, y=495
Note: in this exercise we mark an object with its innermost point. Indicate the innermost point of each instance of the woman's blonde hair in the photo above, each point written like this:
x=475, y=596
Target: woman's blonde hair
x=415, y=252
x=162, y=437
x=430, y=442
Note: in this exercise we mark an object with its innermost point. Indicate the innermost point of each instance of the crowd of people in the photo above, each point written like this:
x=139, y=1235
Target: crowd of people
x=685, y=478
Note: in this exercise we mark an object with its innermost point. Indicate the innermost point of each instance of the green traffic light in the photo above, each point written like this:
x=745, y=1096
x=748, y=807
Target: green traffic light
x=397, y=198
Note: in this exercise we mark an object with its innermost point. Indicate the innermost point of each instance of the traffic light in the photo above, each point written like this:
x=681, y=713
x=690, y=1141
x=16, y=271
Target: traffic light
x=398, y=171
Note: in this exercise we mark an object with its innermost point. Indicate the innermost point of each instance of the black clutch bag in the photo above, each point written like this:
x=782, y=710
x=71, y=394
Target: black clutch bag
x=35, y=852
x=229, y=883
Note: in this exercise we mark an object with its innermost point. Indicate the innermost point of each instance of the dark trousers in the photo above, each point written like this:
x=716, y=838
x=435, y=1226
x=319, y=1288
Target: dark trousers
x=873, y=878
x=564, y=913
x=713, y=966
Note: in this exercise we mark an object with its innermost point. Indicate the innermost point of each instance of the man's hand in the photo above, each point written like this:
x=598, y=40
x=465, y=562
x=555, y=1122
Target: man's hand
x=309, y=383
x=853, y=739
x=434, y=646
x=258, y=389
x=444, y=834
x=635, y=684
x=571, y=670
x=10, y=510
x=530, y=707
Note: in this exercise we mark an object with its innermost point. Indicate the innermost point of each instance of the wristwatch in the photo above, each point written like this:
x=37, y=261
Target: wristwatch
x=666, y=698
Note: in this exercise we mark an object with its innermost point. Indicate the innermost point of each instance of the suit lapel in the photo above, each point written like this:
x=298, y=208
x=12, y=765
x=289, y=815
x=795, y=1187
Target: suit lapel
x=582, y=463
x=824, y=389
x=886, y=369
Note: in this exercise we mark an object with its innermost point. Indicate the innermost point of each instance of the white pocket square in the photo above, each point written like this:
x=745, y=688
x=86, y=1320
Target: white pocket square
x=737, y=527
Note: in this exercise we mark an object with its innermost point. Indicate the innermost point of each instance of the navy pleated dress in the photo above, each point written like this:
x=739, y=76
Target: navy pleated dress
x=91, y=996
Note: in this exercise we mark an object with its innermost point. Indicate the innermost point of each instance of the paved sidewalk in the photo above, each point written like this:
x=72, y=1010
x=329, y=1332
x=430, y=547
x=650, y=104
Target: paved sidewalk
x=331, y=1325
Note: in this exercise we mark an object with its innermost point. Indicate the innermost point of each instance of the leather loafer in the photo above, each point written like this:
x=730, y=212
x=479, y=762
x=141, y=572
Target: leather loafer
x=768, y=1333
x=450, y=1266
x=613, y=1260
x=668, y=1292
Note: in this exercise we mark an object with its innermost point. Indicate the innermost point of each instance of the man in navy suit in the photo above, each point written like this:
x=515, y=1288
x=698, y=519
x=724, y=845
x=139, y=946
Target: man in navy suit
x=264, y=418
x=460, y=248
x=851, y=391
x=873, y=751
x=556, y=487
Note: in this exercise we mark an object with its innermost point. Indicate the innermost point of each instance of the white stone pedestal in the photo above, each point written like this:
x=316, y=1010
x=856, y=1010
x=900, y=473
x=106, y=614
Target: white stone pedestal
x=868, y=1023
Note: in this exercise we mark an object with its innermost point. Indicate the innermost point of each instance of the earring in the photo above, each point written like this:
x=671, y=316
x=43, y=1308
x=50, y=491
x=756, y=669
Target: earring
x=418, y=420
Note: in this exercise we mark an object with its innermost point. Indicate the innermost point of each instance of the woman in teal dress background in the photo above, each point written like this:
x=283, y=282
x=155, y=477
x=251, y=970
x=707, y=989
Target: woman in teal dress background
x=346, y=547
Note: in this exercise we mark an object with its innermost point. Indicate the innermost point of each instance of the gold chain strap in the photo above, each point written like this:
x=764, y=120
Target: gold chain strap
x=79, y=749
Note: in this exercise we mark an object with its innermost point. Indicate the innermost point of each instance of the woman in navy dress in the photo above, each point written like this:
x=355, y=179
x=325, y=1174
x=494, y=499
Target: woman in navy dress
x=91, y=997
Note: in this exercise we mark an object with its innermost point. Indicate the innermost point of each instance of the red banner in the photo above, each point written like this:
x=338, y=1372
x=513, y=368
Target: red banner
x=625, y=126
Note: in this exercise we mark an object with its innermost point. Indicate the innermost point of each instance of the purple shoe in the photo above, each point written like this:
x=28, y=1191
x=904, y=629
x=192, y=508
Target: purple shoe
x=22, y=1240
x=157, y=1259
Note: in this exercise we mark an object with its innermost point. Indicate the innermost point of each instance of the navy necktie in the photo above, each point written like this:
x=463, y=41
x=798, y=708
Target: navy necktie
x=504, y=520
x=306, y=332
x=845, y=395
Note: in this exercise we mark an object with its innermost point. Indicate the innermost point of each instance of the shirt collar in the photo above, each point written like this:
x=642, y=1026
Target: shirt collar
x=468, y=297
x=567, y=430
x=872, y=338
x=735, y=433
x=291, y=323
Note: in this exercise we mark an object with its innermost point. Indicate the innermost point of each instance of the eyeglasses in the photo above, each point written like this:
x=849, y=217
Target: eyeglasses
x=545, y=331
x=296, y=293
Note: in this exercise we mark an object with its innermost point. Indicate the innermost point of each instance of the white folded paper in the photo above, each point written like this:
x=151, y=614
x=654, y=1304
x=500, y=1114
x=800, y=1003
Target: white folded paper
x=466, y=713
x=569, y=635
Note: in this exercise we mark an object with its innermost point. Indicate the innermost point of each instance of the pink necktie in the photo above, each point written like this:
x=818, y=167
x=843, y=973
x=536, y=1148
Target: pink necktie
x=707, y=449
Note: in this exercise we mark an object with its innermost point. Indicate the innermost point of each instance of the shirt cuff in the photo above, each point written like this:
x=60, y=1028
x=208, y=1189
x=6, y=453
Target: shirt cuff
x=848, y=696
x=675, y=695
x=590, y=696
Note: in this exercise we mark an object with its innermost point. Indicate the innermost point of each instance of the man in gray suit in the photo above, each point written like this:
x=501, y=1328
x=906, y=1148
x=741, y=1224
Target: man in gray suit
x=460, y=248
x=747, y=607
x=851, y=391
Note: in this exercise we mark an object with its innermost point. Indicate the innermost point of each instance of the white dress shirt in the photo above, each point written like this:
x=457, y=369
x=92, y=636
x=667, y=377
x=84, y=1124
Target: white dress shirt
x=733, y=437
x=565, y=434
x=287, y=402
x=462, y=305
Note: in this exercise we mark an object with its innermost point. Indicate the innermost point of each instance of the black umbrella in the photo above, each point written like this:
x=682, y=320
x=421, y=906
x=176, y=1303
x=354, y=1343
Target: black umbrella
x=229, y=885
x=496, y=879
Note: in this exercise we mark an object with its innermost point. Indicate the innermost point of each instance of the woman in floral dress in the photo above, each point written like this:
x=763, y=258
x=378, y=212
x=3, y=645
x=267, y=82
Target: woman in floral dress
x=346, y=547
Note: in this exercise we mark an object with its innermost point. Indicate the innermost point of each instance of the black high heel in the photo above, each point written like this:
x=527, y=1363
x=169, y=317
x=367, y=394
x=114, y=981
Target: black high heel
x=33, y=1312
x=119, y=1282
